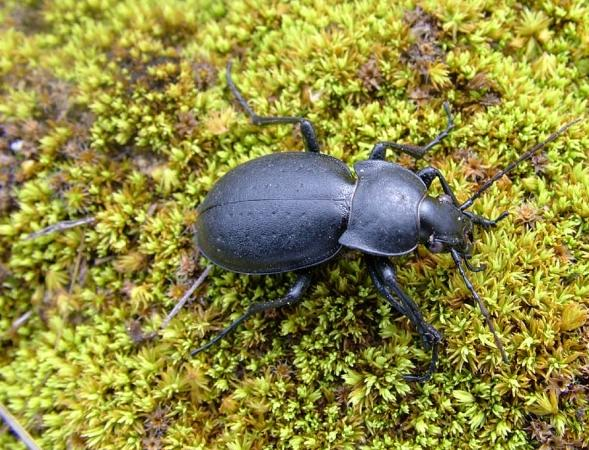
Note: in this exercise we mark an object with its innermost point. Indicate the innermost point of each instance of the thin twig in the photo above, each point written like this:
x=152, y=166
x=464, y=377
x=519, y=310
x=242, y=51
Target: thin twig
x=18, y=429
x=78, y=263
x=17, y=323
x=185, y=298
x=61, y=226
x=21, y=320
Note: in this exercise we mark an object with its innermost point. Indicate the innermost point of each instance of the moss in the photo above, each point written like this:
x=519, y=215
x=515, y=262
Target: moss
x=119, y=111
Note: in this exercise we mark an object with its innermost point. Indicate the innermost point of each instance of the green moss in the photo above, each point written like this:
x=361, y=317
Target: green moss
x=121, y=112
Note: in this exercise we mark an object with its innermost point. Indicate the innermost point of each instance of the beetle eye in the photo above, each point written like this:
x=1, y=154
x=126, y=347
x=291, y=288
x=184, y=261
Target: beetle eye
x=445, y=198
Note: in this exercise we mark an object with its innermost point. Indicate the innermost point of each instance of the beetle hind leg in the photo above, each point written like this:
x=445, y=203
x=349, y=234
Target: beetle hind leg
x=307, y=129
x=383, y=275
x=293, y=296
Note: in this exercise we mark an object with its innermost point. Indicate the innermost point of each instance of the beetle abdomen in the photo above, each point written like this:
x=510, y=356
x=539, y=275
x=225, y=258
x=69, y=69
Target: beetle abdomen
x=277, y=213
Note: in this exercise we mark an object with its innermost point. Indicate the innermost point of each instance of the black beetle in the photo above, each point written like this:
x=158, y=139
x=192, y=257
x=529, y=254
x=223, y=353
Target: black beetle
x=291, y=211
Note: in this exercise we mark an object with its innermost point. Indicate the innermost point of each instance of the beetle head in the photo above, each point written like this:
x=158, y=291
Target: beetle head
x=446, y=227
x=443, y=226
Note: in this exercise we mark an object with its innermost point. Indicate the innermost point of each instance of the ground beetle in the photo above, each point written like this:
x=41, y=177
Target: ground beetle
x=292, y=211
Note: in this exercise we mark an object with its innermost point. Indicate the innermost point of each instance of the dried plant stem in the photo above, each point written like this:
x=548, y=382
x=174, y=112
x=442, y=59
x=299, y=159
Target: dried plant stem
x=61, y=226
x=18, y=429
x=185, y=298
x=20, y=321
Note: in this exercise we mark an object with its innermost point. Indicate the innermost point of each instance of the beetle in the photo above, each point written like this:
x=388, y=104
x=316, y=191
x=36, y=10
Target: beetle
x=292, y=211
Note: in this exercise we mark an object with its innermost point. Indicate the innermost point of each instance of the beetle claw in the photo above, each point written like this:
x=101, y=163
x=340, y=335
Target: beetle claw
x=435, y=343
x=431, y=337
x=417, y=378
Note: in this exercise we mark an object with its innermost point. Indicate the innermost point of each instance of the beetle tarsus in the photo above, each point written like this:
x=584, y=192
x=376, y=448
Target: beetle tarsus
x=430, y=336
x=293, y=296
x=379, y=150
x=449, y=125
x=431, y=369
x=307, y=129
x=222, y=334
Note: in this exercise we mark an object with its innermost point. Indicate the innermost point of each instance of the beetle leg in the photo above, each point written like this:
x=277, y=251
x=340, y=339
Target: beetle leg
x=380, y=149
x=431, y=337
x=428, y=174
x=483, y=221
x=387, y=274
x=378, y=283
x=307, y=129
x=293, y=296
x=443, y=134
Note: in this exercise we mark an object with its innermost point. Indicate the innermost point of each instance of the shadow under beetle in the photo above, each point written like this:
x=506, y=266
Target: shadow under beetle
x=291, y=211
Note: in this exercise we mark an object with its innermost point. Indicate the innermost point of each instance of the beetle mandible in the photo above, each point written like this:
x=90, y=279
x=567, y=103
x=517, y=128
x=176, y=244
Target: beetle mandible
x=289, y=212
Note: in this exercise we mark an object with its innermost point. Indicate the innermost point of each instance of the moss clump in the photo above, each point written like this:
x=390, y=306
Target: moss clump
x=118, y=111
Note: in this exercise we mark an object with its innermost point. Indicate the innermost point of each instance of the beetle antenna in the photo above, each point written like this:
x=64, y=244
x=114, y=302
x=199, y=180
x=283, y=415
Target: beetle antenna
x=527, y=155
x=458, y=261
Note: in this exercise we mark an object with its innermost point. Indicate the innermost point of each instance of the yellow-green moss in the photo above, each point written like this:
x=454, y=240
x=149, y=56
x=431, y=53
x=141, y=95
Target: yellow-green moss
x=119, y=110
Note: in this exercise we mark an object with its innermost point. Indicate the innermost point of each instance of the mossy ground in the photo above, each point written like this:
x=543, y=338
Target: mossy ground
x=119, y=111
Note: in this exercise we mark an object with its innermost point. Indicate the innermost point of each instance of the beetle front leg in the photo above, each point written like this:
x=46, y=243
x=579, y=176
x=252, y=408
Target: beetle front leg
x=379, y=284
x=293, y=296
x=483, y=221
x=307, y=129
x=428, y=174
x=431, y=337
x=380, y=149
